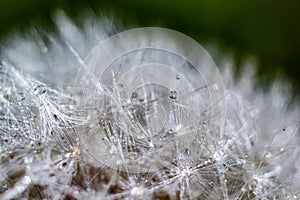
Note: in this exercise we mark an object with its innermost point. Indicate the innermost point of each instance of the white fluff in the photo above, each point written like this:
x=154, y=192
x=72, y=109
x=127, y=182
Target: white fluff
x=42, y=153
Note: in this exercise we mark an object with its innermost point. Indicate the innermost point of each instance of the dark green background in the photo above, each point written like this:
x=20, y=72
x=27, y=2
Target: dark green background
x=267, y=29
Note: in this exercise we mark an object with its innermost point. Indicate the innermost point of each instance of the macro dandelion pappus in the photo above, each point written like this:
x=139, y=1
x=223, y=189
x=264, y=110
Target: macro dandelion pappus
x=143, y=114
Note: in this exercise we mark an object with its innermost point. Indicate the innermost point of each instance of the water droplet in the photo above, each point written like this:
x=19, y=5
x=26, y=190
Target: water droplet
x=39, y=90
x=173, y=94
x=133, y=156
x=26, y=180
x=170, y=132
x=134, y=95
x=55, y=117
x=133, y=121
x=173, y=171
x=20, y=97
x=215, y=86
x=132, y=110
x=187, y=151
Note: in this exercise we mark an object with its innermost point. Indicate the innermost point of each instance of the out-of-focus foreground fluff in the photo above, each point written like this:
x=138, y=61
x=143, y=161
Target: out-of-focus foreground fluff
x=73, y=130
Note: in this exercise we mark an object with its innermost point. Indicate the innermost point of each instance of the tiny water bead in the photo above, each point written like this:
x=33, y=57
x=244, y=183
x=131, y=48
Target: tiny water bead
x=134, y=95
x=173, y=94
x=20, y=97
x=39, y=90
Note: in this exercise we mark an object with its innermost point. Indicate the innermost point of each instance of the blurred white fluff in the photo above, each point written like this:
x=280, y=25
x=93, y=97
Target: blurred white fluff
x=41, y=156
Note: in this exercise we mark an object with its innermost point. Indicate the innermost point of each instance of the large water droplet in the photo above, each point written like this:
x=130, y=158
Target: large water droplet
x=173, y=94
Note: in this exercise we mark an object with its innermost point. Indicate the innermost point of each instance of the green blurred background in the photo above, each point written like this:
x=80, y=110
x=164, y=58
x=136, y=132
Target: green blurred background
x=266, y=29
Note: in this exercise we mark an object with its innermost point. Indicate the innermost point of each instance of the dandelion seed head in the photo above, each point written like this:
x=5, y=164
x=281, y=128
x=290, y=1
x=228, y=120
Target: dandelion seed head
x=139, y=115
